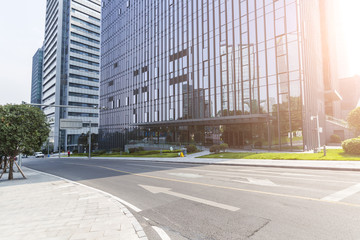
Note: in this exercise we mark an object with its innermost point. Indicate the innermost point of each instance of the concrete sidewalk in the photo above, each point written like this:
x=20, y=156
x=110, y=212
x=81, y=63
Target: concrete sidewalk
x=47, y=207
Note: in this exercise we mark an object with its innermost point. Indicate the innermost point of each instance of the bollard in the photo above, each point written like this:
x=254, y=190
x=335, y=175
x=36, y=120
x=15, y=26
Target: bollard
x=324, y=150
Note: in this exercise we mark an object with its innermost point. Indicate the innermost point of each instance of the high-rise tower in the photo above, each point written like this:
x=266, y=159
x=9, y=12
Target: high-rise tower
x=36, y=78
x=71, y=66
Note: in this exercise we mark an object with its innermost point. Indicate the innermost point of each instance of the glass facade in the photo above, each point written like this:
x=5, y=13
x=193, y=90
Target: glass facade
x=71, y=66
x=36, y=78
x=203, y=71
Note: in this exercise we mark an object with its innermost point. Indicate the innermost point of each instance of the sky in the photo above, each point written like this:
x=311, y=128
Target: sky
x=350, y=26
x=22, y=24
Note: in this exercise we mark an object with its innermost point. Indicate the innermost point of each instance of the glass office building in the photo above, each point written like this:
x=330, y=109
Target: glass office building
x=36, y=77
x=71, y=67
x=245, y=72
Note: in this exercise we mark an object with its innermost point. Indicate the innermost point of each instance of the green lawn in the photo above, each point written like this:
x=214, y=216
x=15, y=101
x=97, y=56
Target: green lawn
x=332, y=154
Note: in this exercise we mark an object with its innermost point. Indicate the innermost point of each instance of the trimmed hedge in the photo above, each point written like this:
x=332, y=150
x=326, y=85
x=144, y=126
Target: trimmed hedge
x=335, y=138
x=215, y=149
x=224, y=146
x=351, y=146
x=191, y=148
x=100, y=152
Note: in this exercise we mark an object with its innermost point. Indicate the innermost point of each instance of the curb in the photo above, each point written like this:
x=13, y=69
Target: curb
x=136, y=225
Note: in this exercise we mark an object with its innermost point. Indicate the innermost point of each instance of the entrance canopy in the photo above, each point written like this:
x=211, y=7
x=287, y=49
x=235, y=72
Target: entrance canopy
x=254, y=118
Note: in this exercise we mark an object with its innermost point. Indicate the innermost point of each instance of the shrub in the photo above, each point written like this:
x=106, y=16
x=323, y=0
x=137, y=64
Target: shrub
x=133, y=150
x=147, y=152
x=115, y=150
x=100, y=152
x=140, y=149
x=351, y=146
x=191, y=148
x=173, y=151
x=75, y=151
x=223, y=147
x=335, y=138
x=215, y=148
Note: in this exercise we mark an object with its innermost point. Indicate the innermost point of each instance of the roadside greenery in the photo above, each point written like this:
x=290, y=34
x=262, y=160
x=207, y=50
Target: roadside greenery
x=354, y=119
x=335, y=138
x=23, y=129
x=352, y=146
x=140, y=152
x=151, y=153
x=217, y=148
x=331, y=154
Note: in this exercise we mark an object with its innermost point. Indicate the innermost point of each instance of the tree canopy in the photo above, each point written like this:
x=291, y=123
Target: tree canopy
x=354, y=119
x=23, y=129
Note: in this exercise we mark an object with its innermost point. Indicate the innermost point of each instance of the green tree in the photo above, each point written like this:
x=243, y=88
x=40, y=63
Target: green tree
x=354, y=119
x=84, y=140
x=23, y=129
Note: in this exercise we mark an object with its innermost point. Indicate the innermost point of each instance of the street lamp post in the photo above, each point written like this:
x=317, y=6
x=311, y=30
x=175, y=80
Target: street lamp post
x=89, y=140
x=317, y=128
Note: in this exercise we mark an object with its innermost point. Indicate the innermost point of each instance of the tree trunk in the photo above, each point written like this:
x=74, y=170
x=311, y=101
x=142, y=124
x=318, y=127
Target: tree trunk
x=1, y=162
x=11, y=169
x=5, y=163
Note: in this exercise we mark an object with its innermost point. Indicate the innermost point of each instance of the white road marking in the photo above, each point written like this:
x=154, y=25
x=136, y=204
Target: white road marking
x=186, y=175
x=90, y=197
x=278, y=173
x=140, y=165
x=235, y=174
x=335, y=197
x=299, y=174
x=65, y=186
x=260, y=182
x=161, y=233
x=168, y=191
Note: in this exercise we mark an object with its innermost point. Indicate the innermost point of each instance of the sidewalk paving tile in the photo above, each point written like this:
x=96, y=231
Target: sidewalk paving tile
x=46, y=207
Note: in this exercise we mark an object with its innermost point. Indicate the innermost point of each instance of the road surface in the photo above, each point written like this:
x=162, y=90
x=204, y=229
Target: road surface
x=191, y=201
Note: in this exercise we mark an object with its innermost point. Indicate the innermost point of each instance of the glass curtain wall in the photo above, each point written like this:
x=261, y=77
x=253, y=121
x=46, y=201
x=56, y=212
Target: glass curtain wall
x=181, y=61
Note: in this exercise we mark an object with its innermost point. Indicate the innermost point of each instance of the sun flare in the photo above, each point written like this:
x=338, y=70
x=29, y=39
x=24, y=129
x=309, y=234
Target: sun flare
x=350, y=26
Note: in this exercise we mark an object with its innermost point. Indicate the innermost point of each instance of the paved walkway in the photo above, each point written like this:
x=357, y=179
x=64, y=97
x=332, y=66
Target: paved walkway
x=50, y=208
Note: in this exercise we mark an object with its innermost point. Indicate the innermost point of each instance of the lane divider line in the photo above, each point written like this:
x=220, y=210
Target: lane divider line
x=224, y=187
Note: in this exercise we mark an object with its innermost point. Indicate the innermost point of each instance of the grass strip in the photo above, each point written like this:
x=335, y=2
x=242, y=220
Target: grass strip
x=331, y=154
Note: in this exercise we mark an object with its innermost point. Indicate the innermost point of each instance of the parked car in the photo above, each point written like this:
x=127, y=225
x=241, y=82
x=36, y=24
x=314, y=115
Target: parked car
x=39, y=155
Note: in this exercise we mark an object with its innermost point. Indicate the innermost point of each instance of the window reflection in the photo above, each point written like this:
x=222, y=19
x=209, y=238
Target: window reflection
x=230, y=59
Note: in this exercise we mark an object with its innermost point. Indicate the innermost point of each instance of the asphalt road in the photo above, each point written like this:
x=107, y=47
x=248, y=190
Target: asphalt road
x=191, y=201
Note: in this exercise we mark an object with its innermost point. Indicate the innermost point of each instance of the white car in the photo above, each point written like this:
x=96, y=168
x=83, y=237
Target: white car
x=39, y=155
